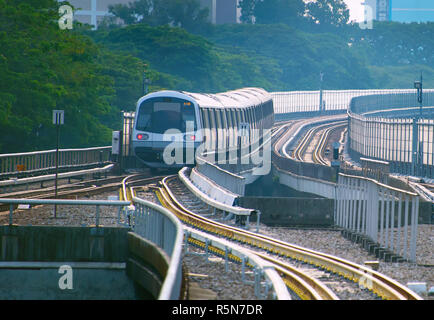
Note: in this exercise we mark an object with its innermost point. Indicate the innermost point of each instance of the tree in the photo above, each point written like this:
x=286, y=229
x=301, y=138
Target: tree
x=247, y=10
x=186, y=14
x=328, y=13
x=52, y=69
x=289, y=12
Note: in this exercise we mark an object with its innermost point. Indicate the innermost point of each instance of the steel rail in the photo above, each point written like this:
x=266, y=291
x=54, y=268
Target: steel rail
x=290, y=135
x=307, y=138
x=307, y=288
x=291, y=279
x=380, y=284
x=319, y=150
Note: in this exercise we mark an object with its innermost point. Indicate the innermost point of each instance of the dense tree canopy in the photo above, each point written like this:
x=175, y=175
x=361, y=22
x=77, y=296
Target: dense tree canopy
x=296, y=13
x=93, y=75
x=183, y=13
x=279, y=11
x=328, y=13
x=44, y=68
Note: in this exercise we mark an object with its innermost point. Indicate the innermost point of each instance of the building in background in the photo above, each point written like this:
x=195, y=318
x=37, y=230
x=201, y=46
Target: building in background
x=380, y=9
x=412, y=10
x=94, y=11
x=222, y=11
x=402, y=10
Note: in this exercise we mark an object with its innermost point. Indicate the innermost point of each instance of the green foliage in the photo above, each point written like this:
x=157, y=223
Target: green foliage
x=93, y=75
x=279, y=11
x=44, y=68
x=291, y=59
x=326, y=13
x=183, y=13
x=184, y=61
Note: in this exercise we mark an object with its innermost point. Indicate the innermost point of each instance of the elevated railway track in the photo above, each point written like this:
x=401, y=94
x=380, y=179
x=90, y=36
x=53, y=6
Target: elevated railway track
x=297, y=281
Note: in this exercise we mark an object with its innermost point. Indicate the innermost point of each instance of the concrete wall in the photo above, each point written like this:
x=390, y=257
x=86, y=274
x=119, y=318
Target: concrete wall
x=105, y=263
x=292, y=211
x=87, y=283
x=48, y=243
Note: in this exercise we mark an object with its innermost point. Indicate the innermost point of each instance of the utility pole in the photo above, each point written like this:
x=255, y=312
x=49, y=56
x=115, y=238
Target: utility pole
x=417, y=146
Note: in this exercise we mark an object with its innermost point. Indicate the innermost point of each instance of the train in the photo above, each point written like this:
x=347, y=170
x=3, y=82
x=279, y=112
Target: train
x=172, y=127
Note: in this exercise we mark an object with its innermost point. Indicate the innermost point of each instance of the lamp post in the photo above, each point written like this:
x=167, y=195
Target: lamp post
x=419, y=86
x=417, y=145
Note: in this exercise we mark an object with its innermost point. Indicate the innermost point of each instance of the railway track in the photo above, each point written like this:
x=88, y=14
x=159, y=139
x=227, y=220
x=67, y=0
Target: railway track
x=311, y=147
x=306, y=280
x=84, y=188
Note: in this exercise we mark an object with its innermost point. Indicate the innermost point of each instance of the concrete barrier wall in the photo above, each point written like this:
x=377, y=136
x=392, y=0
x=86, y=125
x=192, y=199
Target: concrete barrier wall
x=147, y=264
x=48, y=243
x=105, y=263
x=88, y=283
x=292, y=211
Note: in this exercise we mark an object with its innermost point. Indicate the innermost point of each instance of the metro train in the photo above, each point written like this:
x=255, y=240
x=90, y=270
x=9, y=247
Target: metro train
x=172, y=127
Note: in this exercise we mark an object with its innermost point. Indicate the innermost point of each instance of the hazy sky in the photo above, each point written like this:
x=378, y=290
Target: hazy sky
x=356, y=9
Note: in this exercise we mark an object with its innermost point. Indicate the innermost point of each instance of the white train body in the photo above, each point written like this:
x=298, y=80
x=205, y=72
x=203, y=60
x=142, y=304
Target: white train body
x=170, y=127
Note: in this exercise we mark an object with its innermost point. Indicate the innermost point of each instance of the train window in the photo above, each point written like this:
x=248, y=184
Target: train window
x=242, y=114
x=230, y=126
x=234, y=117
x=144, y=117
x=239, y=116
x=218, y=118
x=205, y=118
x=160, y=114
x=249, y=116
x=212, y=118
x=224, y=119
x=188, y=122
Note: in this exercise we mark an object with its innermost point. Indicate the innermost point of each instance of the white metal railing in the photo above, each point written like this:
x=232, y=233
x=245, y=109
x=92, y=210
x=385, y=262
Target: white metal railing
x=262, y=268
x=387, y=215
x=308, y=101
x=14, y=181
x=161, y=227
x=406, y=142
x=46, y=159
x=319, y=187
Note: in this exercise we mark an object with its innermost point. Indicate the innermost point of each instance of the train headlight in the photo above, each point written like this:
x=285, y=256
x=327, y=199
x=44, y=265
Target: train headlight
x=189, y=137
x=142, y=136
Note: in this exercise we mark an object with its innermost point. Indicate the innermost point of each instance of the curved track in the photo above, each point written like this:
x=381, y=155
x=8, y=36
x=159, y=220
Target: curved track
x=363, y=277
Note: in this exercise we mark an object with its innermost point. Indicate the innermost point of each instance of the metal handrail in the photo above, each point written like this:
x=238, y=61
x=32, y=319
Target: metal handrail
x=52, y=176
x=380, y=184
x=171, y=287
x=96, y=203
x=36, y=161
x=267, y=268
x=371, y=208
x=205, y=198
x=4, y=155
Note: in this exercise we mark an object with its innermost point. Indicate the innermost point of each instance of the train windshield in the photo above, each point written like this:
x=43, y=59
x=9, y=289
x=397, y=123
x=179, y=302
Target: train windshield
x=160, y=114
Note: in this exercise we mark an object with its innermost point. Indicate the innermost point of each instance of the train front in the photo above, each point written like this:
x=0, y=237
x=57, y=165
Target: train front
x=166, y=130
